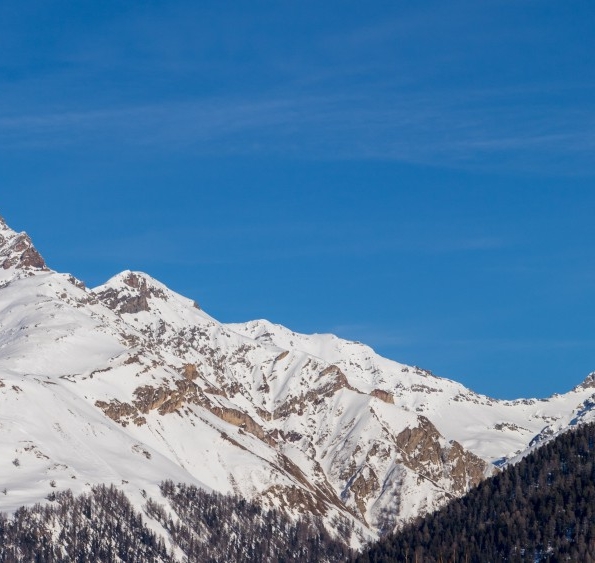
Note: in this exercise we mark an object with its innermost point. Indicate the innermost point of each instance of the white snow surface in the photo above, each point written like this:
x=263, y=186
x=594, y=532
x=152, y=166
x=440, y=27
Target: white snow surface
x=131, y=384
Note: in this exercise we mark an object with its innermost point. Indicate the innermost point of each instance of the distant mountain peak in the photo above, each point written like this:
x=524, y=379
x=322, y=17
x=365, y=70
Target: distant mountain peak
x=130, y=292
x=17, y=251
x=588, y=382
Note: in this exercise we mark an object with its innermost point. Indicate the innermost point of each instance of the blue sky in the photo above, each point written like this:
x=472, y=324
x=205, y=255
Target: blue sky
x=416, y=176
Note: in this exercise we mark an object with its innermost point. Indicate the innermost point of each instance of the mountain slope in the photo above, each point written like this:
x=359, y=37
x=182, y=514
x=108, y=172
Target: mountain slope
x=131, y=383
x=103, y=526
x=541, y=509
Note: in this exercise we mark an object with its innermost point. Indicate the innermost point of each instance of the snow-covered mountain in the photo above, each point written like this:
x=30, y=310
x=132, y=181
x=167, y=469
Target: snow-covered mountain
x=130, y=383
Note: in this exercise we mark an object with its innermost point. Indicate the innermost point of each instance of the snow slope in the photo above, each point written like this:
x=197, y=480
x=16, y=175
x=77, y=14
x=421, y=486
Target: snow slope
x=131, y=383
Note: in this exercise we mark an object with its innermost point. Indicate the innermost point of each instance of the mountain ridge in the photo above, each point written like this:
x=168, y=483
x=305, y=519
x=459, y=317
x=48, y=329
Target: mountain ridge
x=132, y=374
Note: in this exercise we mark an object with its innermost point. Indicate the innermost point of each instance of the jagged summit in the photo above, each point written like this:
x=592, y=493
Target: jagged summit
x=587, y=383
x=132, y=293
x=17, y=252
x=134, y=279
x=3, y=225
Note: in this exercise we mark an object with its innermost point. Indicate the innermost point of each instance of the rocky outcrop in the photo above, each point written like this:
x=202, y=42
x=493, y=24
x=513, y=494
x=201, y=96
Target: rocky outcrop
x=17, y=251
x=465, y=469
x=190, y=372
x=383, y=396
x=335, y=380
x=423, y=452
x=122, y=413
x=240, y=419
x=420, y=445
x=364, y=486
x=588, y=383
x=133, y=300
x=124, y=304
x=165, y=399
x=147, y=398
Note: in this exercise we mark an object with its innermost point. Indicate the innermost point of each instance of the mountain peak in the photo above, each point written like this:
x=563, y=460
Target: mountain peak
x=141, y=281
x=589, y=382
x=6, y=233
x=130, y=292
x=17, y=251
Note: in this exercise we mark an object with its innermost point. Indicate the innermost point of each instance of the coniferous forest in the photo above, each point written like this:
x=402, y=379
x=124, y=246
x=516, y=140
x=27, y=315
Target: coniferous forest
x=213, y=527
x=103, y=526
x=541, y=509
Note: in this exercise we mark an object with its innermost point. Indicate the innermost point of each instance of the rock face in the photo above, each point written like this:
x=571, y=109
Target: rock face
x=17, y=251
x=588, y=383
x=132, y=302
x=131, y=383
x=383, y=396
x=425, y=452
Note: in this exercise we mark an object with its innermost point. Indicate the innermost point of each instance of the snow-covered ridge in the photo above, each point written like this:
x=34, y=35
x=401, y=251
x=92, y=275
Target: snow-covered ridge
x=491, y=428
x=131, y=383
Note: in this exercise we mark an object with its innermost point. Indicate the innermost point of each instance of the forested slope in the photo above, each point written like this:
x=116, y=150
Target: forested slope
x=541, y=509
x=103, y=526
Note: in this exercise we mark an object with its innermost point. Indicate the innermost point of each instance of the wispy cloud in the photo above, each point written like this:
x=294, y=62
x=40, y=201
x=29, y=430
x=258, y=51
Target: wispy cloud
x=429, y=130
x=251, y=243
x=400, y=83
x=515, y=344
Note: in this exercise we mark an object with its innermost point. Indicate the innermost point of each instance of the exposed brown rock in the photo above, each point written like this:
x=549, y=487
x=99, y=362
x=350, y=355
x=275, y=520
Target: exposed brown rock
x=132, y=360
x=121, y=412
x=423, y=453
x=337, y=380
x=420, y=445
x=282, y=355
x=189, y=371
x=322, y=493
x=363, y=487
x=241, y=419
x=31, y=259
x=291, y=436
x=134, y=302
x=76, y=282
x=330, y=380
x=20, y=252
x=123, y=303
x=165, y=399
x=383, y=396
x=147, y=398
x=214, y=391
x=466, y=469
x=589, y=382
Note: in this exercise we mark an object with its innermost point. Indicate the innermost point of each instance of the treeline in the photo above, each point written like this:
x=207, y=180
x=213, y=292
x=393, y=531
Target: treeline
x=539, y=510
x=103, y=526
x=211, y=527
x=99, y=526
